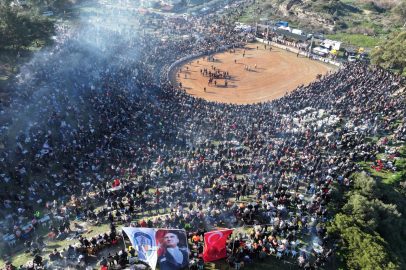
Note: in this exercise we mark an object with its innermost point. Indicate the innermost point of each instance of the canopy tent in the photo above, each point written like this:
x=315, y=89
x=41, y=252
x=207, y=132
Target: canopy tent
x=320, y=51
x=291, y=35
x=204, y=9
x=334, y=51
x=285, y=28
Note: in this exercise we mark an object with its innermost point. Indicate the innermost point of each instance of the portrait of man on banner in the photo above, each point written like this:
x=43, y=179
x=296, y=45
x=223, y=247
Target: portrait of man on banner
x=173, y=251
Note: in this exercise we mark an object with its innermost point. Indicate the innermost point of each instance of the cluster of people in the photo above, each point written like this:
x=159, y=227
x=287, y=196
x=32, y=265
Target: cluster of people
x=114, y=128
x=287, y=41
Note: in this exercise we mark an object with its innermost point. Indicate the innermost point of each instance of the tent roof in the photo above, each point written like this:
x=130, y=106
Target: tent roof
x=321, y=49
x=167, y=8
x=291, y=35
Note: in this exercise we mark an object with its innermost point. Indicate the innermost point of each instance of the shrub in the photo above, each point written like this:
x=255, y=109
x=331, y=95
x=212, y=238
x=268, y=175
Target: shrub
x=370, y=6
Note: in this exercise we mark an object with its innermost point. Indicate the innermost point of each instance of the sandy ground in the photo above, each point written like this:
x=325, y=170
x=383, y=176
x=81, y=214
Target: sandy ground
x=277, y=71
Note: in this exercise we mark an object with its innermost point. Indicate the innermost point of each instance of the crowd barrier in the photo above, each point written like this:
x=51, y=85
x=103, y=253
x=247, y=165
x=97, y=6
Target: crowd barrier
x=287, y=48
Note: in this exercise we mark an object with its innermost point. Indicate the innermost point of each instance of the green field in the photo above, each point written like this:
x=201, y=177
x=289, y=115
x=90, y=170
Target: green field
x=358, y=40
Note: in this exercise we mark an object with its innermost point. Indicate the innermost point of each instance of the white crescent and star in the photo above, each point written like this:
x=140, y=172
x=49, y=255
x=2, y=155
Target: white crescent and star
x=213, y=234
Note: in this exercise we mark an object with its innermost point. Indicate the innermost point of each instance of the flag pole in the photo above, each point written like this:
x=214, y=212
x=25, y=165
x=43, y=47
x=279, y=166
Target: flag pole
x=122, y=236
x=232, y=251
x=233, y=244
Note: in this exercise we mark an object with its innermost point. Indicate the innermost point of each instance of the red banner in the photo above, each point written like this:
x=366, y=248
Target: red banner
x=215, y=245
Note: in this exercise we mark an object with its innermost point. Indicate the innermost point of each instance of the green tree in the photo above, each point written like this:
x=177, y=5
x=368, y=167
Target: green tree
x=400, y=10
x=392, y=51
x=367, y=251
x=363, y=211
x=20, y=28
x=371, y=226
x=366, y=186
x=362, y=250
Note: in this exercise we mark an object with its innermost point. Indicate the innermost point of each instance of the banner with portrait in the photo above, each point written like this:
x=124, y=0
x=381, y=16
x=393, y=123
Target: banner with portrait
x=168, y=247
x=172, y=249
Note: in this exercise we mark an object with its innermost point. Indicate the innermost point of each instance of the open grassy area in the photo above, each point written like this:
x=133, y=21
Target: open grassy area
x=358, y=40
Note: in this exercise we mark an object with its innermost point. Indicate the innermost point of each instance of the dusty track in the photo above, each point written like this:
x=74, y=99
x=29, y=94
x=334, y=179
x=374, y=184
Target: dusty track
x=276, y=72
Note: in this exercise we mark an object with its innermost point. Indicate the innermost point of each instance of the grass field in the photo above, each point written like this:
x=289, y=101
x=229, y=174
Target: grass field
x=358, y=40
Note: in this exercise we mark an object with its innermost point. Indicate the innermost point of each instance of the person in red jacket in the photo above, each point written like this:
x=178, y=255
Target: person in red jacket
x=143, y=223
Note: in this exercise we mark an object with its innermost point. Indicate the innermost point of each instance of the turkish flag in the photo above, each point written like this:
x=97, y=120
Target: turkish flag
x=215, y=245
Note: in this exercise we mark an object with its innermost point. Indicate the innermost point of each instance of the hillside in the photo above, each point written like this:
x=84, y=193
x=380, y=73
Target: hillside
x=374, y=20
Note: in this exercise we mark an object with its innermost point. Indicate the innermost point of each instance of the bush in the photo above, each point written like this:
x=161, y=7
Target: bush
x=340, y=25
x=397, y=178
x=366, y=186
x=370, y=6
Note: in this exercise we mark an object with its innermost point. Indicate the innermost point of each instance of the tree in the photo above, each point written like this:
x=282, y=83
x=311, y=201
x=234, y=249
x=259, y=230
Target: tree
x=363, y=211
x=367, y=223
x=367, y=251
x=392, y=51
x=366, y=186
x=20, y=28
x=400, y=10
x=362, y=250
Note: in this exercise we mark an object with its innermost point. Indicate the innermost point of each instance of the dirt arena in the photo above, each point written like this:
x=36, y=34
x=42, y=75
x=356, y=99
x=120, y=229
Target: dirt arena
x=277, y=71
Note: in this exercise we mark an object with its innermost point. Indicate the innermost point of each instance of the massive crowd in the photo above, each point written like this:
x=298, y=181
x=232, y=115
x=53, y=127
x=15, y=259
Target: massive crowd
x=97, y=137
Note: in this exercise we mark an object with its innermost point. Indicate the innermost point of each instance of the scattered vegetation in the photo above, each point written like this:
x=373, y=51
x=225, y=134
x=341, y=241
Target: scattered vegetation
x=371, y=7
x=370, y=226
x=391, y=52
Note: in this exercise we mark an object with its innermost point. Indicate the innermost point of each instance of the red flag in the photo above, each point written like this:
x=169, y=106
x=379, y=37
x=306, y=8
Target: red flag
x=215, y=245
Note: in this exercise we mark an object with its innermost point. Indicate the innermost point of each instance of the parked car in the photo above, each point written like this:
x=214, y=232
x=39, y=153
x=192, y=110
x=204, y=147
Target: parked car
x=48, y=13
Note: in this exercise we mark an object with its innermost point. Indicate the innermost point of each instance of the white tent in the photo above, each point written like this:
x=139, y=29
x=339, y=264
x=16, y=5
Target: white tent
x=320, y=50
x=285, y=28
